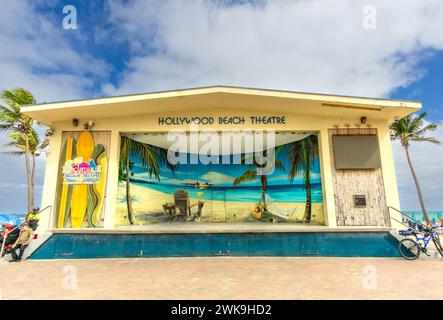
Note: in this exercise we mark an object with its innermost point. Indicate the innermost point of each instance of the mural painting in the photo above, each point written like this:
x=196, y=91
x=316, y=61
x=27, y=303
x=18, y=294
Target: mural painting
x=153, y=191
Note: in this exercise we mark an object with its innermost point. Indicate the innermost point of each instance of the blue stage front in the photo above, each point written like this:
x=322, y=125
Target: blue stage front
x=327, y=244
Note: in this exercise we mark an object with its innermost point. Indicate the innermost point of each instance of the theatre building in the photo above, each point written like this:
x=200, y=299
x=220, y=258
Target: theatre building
x=219, y=171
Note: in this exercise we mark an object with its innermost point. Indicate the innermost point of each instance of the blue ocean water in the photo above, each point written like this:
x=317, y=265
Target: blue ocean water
x=279, y=193
x=418, y=215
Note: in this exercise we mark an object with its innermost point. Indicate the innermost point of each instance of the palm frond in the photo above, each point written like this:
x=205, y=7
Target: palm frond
x=247, y=176
x=14, y=153
x=295, y=160
x=279, y=165
x=412, y=128
x=428, y=139
x=151, y=158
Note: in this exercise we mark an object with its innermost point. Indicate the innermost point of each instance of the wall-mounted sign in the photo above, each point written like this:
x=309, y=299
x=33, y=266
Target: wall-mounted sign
x=79, y=172
x=227, y=120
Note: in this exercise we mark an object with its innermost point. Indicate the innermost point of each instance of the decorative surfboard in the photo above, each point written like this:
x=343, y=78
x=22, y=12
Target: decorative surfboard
x=96, y=191
x=85, y=146
x=64, y=197
x=100, y=188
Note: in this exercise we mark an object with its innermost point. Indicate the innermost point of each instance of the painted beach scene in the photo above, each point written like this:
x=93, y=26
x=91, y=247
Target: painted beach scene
x=218, y=192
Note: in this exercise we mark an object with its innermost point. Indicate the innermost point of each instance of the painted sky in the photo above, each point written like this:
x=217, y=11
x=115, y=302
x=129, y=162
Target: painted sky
x=125, y=46
x=223, y=175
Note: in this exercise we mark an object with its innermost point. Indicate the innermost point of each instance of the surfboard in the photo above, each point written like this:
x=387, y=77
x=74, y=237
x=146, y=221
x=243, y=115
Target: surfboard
x=96, y=191
x=100, y=189
x=64, y=194
x=85, y=146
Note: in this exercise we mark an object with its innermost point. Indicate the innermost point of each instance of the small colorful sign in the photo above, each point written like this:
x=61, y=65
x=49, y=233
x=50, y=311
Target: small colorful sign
x=79, y=172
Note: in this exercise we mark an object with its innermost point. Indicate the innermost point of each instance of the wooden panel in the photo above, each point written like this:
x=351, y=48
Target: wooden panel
x=100, y=137
x=349, y=183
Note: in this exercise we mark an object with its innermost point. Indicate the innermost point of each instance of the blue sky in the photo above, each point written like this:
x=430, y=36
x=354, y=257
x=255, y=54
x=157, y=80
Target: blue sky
x=129, y=46
x=218, y=174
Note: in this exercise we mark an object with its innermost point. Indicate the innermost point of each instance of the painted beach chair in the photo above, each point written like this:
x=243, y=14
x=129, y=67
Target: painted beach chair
x=182, y=203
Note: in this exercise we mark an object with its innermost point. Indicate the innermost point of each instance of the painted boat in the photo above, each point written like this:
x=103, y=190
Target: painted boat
x=85, y=147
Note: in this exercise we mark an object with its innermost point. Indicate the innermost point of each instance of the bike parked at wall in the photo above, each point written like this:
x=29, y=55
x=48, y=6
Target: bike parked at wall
x=419, y=237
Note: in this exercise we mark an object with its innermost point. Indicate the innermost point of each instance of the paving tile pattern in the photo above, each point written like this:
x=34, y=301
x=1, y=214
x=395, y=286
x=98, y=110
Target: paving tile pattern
x=223, y=278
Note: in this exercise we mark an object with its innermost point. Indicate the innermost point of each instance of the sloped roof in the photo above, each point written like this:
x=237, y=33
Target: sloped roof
x=225, y=97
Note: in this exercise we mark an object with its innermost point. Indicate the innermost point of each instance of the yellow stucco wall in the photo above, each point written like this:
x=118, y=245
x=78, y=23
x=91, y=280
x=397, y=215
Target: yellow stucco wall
x=149, y=123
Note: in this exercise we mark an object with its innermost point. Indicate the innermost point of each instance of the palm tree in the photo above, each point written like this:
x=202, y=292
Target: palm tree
x=413, y=128
x=302, y=155
x=251, y=174
x=36, y=147
x=13, y=120
x=151, y=158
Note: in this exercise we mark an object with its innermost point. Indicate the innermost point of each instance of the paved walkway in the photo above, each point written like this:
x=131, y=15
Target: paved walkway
x=223, y=278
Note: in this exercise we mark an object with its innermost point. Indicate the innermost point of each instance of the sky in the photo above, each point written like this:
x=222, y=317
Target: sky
x=385, y=49
x=223, y=175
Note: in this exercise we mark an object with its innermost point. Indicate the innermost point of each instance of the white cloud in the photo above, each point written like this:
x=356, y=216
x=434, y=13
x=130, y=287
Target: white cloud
x=36, y=53
x=300, y=45
x=216, y=177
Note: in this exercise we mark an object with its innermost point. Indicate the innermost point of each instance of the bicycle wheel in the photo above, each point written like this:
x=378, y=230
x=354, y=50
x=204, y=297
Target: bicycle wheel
x=409, y=249
x=438, y=245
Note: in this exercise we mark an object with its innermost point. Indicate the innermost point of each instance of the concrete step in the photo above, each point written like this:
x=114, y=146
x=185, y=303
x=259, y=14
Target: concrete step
x=34, y=245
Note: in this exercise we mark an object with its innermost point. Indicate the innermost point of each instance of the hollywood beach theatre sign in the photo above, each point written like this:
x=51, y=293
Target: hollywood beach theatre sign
x=222, y=120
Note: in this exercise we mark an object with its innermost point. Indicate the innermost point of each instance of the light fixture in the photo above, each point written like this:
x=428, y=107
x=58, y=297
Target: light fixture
x=363, y=120
x=89, y=125
x=75, y=122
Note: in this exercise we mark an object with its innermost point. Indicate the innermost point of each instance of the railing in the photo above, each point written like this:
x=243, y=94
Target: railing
x=404, y=214
x=18, y=226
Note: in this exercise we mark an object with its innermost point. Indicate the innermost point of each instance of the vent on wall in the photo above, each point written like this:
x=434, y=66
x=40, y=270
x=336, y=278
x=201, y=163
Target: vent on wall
x=359, y=201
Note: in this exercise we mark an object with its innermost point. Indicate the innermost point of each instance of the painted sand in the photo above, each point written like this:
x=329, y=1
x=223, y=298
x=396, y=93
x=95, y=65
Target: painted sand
x=148, y=203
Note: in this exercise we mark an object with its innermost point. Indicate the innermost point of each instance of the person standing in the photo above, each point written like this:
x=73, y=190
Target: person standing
x=25, y=237
x=32, y=218
x=6, y=230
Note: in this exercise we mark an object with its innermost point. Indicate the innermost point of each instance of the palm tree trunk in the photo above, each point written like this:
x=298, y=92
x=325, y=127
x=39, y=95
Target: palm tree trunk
x=264, y=183
x=308, y=205
x=32, y=178
x=28, y=175
x=417, y=186
x=128, y=192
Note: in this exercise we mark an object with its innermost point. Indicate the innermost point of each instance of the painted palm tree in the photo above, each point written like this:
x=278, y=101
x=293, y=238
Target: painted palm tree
x=13, y=120
x=302, y=155
x=151, y=158
x=251, y=174
x=413, y=128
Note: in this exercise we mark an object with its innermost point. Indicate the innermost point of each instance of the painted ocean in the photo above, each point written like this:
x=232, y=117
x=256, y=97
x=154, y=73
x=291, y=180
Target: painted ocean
x=280, y=193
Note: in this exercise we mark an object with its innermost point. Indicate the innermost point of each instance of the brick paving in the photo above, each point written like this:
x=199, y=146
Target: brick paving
x=223, y=278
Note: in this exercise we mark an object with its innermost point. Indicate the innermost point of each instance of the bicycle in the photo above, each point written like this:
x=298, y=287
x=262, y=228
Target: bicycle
x=410, y=249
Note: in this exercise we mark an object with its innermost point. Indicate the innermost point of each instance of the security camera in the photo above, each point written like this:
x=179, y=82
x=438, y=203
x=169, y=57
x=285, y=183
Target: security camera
x=89, y=125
